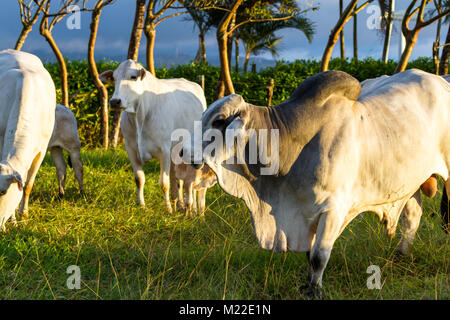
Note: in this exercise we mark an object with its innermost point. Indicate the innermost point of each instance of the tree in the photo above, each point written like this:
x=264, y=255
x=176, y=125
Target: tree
x=443, y=65
x=412, y=34
x=386, y=7
x=341, y=34
x=103, y=93
x=256, y=43
x=346, y=15
x=136, y=31
x=238, y=13
x=154, y=16
x=259, y=37
x=28, y=18
x=47, y=24
x=203, y=22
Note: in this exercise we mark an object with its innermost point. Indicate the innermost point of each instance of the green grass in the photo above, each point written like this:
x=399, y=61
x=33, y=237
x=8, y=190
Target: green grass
x=125, y=252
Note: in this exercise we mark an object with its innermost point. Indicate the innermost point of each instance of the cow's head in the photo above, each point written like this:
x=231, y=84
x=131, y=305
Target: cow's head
x=226, y=116
x=129, y=85
x=9, y=176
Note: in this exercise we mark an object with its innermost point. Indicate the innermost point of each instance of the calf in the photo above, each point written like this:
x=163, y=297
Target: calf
x=65, y=136
x=196, y=182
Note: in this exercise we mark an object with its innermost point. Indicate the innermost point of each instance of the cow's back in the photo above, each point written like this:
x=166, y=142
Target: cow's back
x=403, y=133
x=28, y=108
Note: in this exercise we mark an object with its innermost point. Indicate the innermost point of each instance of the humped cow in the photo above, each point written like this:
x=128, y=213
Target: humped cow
x=154, y=108
x=340, y=153
x=27, y=116
x=65, y=136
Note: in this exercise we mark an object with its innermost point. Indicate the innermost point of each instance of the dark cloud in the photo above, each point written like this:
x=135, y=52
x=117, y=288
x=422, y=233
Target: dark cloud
x=177, y=39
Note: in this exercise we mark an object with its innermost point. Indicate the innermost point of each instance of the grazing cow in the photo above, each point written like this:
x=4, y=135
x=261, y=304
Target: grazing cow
x=27, y=116
x=65, y=136
x=339, y=154
x=154, y=108
x=196, y=182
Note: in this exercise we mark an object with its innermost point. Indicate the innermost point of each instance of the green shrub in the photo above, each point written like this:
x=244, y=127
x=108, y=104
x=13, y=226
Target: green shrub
x=252, y=86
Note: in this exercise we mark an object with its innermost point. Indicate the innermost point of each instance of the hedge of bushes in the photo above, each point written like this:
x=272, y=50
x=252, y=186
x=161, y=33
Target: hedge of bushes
x=252, y=86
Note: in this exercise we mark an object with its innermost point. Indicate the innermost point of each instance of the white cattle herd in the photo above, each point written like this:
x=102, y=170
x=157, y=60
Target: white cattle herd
x=339, y=148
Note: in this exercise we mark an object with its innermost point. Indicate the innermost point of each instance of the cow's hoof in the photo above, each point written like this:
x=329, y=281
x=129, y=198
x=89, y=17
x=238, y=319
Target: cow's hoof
x=314, y=293
x=24, y=214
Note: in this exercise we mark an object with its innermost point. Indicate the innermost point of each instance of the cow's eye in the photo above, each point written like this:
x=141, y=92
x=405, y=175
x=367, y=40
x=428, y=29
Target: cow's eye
x=218, y=123
x=133, y=77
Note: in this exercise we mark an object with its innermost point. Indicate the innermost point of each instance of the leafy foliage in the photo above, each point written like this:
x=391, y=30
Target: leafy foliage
x=252, y=86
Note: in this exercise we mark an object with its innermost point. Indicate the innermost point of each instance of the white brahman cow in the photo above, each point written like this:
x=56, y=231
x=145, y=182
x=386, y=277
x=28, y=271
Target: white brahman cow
x=65, y=136
x=154, y=108
x=27, y=116
x=340, y=153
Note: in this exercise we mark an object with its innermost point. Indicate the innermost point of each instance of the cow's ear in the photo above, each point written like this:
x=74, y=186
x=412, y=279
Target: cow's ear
x=142, y=73
x=106, y=76
x=16, y=177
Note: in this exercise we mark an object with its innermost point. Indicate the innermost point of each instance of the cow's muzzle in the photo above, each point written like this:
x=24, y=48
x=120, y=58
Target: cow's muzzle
x=197, y=165
x=115, y=103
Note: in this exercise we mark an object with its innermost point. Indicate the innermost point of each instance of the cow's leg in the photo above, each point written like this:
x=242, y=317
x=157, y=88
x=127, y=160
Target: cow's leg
x=410, y=222
x=139, y=175
x=61, y=169
x=173, y=186
x=445, y=207
x=180, y=193
x=194, y=203
x=202, y=200
x=77, y=166
x=164, y=179
x=327, y=232
x=189, y=192
x=23, y=211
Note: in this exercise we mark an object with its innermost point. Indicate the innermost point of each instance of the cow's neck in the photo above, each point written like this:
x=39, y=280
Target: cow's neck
x=18, y=145
x=296, y=124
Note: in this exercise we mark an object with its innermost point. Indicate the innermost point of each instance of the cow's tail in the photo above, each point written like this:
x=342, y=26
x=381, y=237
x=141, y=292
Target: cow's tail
x=445, y=211
x=69, y=162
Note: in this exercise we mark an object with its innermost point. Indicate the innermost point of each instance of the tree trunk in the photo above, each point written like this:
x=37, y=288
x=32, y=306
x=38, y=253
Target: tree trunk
x=200, y=56
x=102, y=92
x=236, y=52
x=150, y=34
x=230, y=49
x=355, y=37
x=222, y=35
x=136, y=31
x=341, y=35
x=334, y=35
x=437, y=42
x=443, y=65
x=410, y=43
x=23, y=35
x=387, y=34
x=62, y=66
x=222, y=40
x=115, y=127
x=247, y=58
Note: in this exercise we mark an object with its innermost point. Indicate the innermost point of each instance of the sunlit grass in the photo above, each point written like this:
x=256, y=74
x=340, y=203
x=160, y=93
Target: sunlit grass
x=125, y=252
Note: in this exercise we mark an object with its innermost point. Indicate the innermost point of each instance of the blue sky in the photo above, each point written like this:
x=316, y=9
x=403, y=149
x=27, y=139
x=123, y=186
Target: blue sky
x=177, y=39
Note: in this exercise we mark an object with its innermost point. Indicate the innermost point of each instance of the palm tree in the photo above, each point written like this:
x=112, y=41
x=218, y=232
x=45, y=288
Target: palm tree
x=259, y=41
x=203, y=22
x=260, y=37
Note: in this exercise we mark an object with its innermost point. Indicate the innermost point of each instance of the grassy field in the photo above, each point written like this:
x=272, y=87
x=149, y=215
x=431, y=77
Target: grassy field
x=125, y=252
